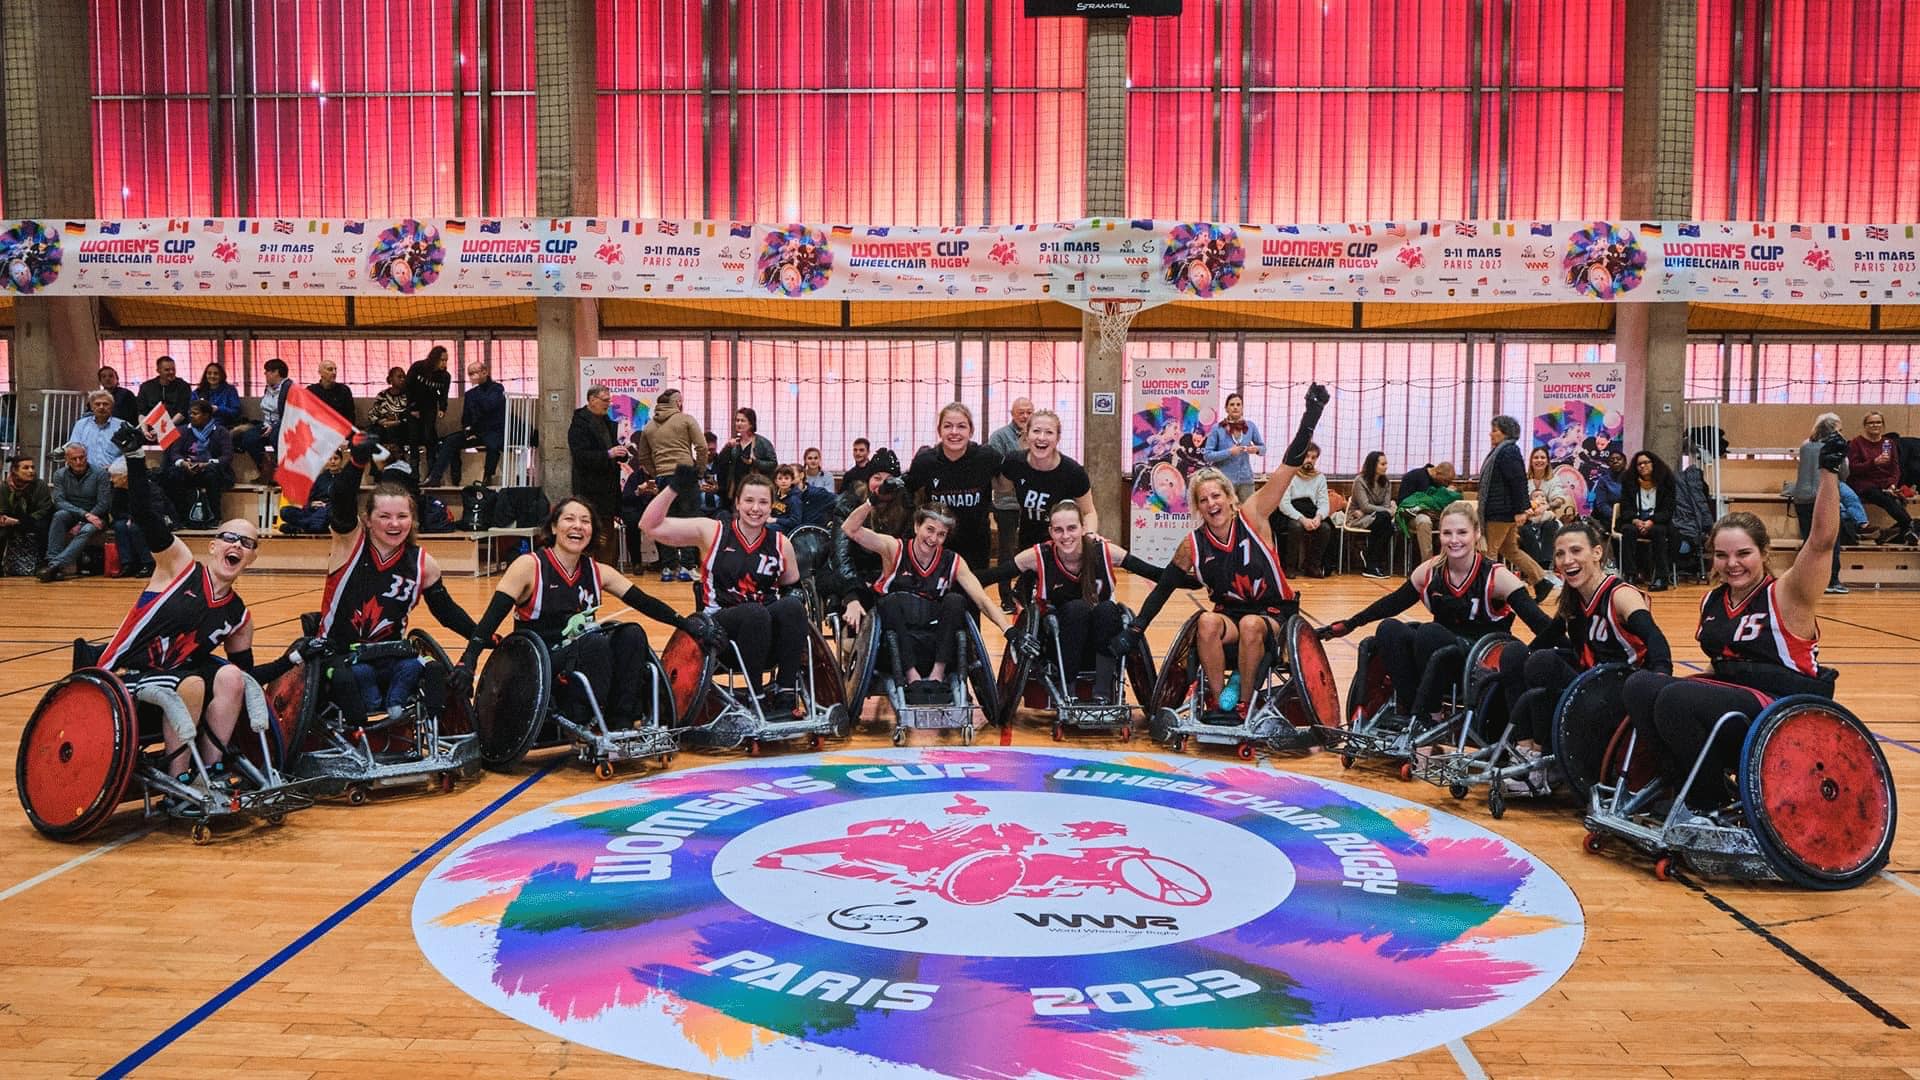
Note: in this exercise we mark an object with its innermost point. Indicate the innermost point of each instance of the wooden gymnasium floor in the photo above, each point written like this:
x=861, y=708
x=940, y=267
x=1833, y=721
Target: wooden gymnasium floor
x=107, y=945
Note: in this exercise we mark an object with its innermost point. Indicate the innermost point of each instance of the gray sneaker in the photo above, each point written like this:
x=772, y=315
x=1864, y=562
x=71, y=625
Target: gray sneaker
x=1837, y=589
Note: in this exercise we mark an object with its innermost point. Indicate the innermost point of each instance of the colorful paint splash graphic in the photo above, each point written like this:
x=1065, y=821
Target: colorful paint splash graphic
x=600, y=919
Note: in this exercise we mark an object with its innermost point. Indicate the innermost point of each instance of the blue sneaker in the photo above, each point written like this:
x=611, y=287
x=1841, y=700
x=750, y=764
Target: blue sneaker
x=1230, y=697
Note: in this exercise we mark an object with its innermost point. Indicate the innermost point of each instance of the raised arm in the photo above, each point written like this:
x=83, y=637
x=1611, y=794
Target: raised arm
x=990, y=608
x=677, y=532
x=343, y=506
x=1271, y=494
x=855, y=528
x=1801, y=586
x=170, y=554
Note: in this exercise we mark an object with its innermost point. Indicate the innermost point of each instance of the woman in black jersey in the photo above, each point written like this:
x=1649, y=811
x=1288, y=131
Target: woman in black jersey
x=958, y=473
x=558, y=586
x=1074, y=582
x=1762, y=636
x=925, y=588
x=188, y=610
x=744, y=567
x=1469, y=595
x=1600, y=620
x=376, y=574
x=1043, y=477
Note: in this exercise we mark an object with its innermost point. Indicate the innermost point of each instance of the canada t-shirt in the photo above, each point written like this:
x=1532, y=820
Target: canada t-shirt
x=965, y=488
x=1037, y=491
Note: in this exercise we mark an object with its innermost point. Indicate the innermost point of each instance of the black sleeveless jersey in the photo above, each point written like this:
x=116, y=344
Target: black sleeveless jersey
x=1054, y=584
x=1600, y=636
x=1469, y=609
x=737, y=572
x=368, y=598
x=175, y=628
x=558, y=596
x=932, y=579
x=1243, y=574
x=1752, y=631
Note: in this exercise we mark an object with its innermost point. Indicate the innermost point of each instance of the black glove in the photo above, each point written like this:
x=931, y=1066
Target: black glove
x=130, y=439
x=1026, y=643
x=1296, y=452
x=460, y=682
x=1317, y=398
x=893, y=485
x=1833, y=453
x=1121, y=645
x=1336, y=629
x=709, y=634
x=686, y=479
x=360, y=447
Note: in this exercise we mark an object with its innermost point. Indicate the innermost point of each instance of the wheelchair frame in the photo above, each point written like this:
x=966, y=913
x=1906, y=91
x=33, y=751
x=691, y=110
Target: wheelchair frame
x=1062, y=698
x=1283, y=715
x=971, y=685
x=721, y=712
x=592, y=742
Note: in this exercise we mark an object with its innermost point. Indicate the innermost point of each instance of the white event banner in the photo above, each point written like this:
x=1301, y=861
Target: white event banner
x=1077, y=262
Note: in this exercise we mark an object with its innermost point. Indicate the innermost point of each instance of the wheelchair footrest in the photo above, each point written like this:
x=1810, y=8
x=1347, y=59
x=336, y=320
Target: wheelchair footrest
x=621, y=744
x=1095, y=716
x=934, y=717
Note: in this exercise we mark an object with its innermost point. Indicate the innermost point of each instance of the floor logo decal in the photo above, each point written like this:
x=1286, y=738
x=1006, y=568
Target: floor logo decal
x=997, y=913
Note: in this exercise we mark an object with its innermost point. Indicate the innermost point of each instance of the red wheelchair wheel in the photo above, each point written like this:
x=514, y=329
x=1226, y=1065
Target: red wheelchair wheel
x=1312, y=673
x=77, y=755
x=1817, y=793
x=1177, y=669
x=689, y=669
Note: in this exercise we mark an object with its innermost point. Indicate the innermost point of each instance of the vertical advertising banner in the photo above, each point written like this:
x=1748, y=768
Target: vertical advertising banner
x=1579, y=414
x=1175, y=402
x=635, y=383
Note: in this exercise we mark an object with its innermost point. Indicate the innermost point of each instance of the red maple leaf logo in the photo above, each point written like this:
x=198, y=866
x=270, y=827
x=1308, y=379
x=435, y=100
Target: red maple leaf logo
x=226, y=251
x=167, y=653
x=296, y=441
x=1246, y=588
x=1002, y=252
x=746, y=586
x=1413, y=257
x=369, y=622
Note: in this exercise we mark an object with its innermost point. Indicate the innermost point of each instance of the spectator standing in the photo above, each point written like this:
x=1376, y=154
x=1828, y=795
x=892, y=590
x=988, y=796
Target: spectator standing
x=483, y=424
x=125, y=405
x=1370, y=506
x=597, y=452
x=82, y=501
x=1873, y=458
x=1008, y=440
x=334, y=392
x=1232, y=445
x=166, y=387
x=426, y=390
x=671, y=439
x=136, y=559
x=95, y=430
x=26, y=511
x=1504, y=504
x=747, y=452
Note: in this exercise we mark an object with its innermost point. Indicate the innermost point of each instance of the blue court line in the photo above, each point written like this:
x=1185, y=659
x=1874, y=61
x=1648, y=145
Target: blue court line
x=245, y=982
x=1902, y=745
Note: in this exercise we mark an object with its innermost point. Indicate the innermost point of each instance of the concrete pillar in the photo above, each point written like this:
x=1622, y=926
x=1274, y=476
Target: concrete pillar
x=1106, y=181
x=1656, y=158
x=49, y=177
x=563, y=32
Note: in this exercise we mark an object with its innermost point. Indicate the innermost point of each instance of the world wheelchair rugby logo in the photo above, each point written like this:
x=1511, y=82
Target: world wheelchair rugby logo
x=1101, y=913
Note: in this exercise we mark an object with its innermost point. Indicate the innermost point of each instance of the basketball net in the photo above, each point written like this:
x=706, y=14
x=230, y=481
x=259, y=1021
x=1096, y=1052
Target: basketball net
x=1114, y=316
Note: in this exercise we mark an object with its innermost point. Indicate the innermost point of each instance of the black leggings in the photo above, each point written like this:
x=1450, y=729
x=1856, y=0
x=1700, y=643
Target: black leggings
x=775, y=632
x=614, y=662
x=1408, y=651
x=1672, y=719
x=1534, y=680
x=1085, y=629
x=928, y=630
x=1651, y=554
x=1891, y=502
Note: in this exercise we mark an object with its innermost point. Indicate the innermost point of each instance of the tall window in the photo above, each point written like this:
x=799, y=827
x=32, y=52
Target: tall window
x=889, y=112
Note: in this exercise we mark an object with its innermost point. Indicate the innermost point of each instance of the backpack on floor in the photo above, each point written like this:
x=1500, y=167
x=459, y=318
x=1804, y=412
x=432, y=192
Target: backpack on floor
x=478, y=504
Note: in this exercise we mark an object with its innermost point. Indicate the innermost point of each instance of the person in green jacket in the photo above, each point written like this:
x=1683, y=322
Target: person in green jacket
x=1417, y=513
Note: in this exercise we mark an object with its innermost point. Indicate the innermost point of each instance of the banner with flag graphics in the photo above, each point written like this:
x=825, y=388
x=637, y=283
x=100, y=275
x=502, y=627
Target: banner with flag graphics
x=310, y=431
x=1077, y=262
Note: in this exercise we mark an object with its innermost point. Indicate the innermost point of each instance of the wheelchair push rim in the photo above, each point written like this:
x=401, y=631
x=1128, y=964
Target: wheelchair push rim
x=1317, y=690
x=510, y=703
x=1585, y=719
x=1817, y=793
x=77, y=755
x=454, y=717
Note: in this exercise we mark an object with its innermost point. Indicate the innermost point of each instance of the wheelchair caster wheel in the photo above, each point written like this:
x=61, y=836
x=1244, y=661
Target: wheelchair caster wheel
x=814, y=742
x=1406, y=771
x=357, y=795
x=603, y=771
x=200, y=833
x=1663, y=869
x=1059, y=733
x=1458, y=791
x=276, y=820
x=966, y=735
x=1346, y=761
x=1593, y=843
x=1126, y=733
x=753, y=747
x=899, y=737
x=1496, y=802
x=664, y=760
x=1245, y=751
x=446, y=783
x=1179, y=744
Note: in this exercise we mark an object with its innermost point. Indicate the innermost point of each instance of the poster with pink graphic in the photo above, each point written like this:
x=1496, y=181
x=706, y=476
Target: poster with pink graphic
x=1175, y=402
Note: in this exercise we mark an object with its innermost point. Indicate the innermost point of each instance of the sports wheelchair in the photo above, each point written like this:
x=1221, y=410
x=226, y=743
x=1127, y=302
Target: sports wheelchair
x=1294, y=694
x=1041, y=680
x=714, y=705
x=91, y=738
x=515, y=711
x=341, y=750
x=1816, y=805
x=880, y=666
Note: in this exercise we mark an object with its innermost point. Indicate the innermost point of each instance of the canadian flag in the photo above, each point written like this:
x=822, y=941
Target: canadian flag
x=160, y=422
x=310, y=431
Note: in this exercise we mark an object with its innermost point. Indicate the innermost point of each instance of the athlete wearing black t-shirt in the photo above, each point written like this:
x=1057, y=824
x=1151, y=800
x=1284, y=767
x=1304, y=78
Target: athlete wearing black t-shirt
x=958, y=474
x=1042, y=477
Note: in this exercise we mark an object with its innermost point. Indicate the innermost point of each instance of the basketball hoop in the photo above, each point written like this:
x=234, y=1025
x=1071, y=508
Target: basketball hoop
x=1114, y=316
